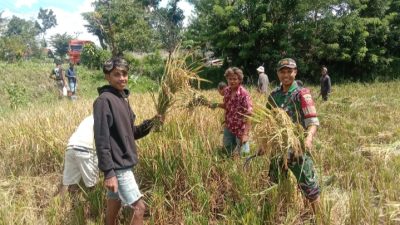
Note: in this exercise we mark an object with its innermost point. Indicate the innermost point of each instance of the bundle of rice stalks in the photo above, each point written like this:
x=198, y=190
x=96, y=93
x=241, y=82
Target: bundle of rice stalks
x=176, y=78
x=276, y=134
x=198, y=100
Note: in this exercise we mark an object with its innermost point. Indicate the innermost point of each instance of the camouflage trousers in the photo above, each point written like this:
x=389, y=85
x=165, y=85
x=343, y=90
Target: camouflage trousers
x=302, y=169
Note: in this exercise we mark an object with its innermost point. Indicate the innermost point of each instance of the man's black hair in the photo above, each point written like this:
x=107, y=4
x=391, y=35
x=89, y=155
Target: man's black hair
x=110, y=64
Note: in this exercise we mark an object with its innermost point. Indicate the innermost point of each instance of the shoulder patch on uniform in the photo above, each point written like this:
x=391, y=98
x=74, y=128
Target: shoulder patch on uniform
x=308, y=98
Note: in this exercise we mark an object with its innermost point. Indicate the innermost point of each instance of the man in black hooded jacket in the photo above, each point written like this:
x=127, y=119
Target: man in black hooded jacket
x=115, y=135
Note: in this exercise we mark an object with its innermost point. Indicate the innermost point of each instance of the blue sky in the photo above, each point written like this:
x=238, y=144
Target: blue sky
x=68, y=14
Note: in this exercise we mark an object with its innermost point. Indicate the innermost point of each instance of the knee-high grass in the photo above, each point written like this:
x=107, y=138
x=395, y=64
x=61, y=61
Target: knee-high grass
x=186, y=178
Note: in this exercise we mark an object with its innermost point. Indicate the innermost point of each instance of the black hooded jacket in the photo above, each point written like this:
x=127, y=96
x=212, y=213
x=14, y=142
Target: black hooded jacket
x=115, y=132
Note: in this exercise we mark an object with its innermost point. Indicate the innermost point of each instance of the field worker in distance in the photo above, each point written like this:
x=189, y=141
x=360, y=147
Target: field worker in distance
x=237, y=103
x=263, y=81
x=80, y=158
x=71, y=75
x=57, y=74
x=325, y=82
x=299, y=105
x=115, y=135
x=221, y=88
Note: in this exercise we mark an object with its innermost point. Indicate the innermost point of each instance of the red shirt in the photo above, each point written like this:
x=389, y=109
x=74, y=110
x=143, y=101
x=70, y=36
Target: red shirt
x=236, y=106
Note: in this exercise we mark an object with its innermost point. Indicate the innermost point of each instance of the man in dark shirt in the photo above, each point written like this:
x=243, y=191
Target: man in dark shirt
x=115, y=135
x=325, y=83
x=71, y=75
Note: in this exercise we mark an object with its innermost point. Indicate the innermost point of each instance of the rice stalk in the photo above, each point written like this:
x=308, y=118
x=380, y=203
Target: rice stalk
x=276, y=134
x=197, y=100
x=176, y=79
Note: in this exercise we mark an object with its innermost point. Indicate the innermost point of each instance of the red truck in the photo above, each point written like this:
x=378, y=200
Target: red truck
x=75, y=48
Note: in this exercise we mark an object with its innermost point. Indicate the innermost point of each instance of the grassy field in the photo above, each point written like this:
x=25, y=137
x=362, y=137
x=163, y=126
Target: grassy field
x=184, y=177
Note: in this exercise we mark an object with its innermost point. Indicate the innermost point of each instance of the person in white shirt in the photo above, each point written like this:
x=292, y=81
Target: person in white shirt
x=80, y=157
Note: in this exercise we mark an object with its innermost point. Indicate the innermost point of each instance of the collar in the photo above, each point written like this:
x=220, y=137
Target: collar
x=109, y=88
x=292, y=88
x=238, y=91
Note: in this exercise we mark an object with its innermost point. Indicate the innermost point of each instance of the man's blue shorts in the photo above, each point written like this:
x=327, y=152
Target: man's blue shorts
x=128, y=190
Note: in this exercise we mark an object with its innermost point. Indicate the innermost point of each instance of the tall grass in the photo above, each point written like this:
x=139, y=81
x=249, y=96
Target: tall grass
x=186, y=179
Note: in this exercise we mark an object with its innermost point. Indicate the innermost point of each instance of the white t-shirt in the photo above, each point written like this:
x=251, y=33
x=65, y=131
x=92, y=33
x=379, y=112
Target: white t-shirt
x=83, y=135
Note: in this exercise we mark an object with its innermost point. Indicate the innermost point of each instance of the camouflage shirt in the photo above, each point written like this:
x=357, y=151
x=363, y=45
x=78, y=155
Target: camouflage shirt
x=298, y=104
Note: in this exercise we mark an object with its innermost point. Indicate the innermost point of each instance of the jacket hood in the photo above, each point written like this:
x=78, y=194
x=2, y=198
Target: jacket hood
x=109, y=88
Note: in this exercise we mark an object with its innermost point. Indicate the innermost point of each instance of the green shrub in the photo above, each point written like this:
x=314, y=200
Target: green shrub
x=104, y=55
x=94, y=57
x=141, y=84
x=17, y=95
x=89, y=55
x=134, y=63
x=153, y=65
x=214, y=75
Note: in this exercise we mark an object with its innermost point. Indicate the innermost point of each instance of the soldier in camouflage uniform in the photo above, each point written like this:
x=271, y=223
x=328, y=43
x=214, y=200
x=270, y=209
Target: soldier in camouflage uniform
x=298, y=103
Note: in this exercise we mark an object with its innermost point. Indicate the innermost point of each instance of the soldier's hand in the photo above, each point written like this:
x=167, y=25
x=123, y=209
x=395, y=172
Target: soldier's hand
x=308, y=143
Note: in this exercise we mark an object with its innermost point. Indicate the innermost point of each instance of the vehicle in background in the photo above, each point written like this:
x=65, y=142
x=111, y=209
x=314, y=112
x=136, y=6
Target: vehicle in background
x=215, y=63
x=75, y=47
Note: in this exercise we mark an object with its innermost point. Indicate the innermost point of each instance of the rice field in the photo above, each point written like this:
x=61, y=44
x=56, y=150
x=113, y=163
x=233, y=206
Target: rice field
x=186, y=179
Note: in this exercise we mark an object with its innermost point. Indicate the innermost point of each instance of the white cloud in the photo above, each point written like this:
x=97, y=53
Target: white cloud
x=28, y=3
x=27, y=16
x=73, y=23
x=187, y=11
x=67, y=22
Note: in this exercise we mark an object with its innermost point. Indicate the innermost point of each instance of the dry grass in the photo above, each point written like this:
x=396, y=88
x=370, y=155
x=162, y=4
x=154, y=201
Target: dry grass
x=186, y=180
x=276, y=134
x=178, y=75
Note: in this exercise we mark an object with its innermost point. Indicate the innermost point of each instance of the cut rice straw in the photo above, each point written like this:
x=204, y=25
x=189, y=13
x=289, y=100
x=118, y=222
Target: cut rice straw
x=176, y=79
x=276, y=134
x=198, y=100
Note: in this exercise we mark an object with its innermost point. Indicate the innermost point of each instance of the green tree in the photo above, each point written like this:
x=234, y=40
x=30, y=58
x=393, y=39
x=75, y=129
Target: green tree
x=12, y=48
x=248, y=33
x=94, y=57
x=22, y=33
x=95, y=28
x=123, y=25
x=60, y=43
x=356, y=39
x=17, y=26
x=47, y=20
x=169, y=23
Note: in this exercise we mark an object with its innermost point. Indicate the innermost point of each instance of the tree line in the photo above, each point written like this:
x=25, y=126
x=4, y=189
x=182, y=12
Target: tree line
x=356, y=39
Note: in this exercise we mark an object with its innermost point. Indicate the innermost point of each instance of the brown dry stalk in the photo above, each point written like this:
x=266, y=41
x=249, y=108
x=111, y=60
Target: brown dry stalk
x=176, y=79
x=275, y=132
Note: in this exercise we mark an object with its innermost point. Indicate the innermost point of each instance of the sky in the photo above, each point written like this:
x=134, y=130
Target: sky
x=68, y=14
